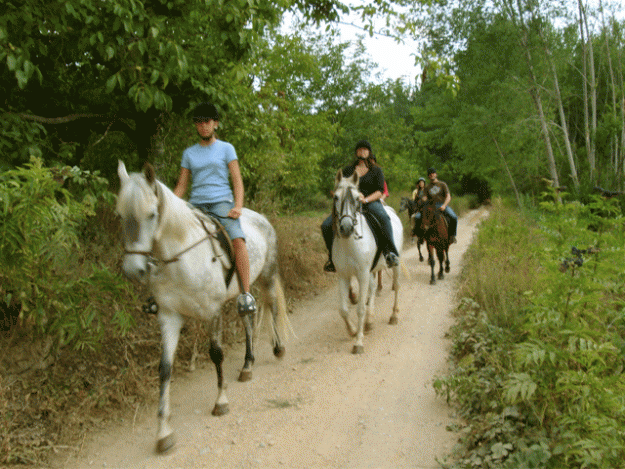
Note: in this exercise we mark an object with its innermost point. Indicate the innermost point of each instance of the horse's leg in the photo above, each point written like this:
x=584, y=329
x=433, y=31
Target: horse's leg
x=370, y=306
x=393, y=319
x=441, y=260
x=278, y=315
x=379, y=282
x=217, y=356
x=170, y=334
x=447, y=260
x=344, y=285
x=419, y=243
x=246, y=371
x=432, y=262
x=366, y=282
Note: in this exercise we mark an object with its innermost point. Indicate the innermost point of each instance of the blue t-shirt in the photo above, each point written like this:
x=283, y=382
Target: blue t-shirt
x=209, y=172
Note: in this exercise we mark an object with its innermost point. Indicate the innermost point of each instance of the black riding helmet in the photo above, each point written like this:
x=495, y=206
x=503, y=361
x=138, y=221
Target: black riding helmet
x=204, y=112
x=363, y=144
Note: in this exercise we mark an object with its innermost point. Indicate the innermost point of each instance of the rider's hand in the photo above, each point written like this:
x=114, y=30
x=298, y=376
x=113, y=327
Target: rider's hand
x=443, y=208
x=234, y=213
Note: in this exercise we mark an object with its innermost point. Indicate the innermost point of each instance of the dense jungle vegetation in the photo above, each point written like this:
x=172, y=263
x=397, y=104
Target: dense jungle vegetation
x=515, y=100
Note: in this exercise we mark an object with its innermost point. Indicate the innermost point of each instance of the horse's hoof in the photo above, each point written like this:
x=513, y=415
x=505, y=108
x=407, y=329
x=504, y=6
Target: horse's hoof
x=165, y=444
x=358, y=350
x=421, y=259
x=368, y=327
x=245, y=375
x=441, y=276
x=279, y=352
x=220, y=409
x=433, y=282
x=393, y=321
x=447, y=269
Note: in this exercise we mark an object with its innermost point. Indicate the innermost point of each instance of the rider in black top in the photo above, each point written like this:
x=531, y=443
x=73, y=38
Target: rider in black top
x=371, y=186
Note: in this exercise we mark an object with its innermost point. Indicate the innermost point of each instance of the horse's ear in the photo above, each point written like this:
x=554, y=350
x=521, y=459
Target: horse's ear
x=121, y=171
x=355, y=178
x=338, y=177
x=150, y=174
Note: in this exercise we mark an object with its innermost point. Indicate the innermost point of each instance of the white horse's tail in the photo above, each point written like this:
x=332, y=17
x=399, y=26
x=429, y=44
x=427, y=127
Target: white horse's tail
x=283, y=328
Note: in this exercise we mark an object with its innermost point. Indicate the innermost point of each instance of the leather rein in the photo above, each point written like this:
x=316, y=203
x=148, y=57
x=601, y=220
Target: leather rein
x=151, y=258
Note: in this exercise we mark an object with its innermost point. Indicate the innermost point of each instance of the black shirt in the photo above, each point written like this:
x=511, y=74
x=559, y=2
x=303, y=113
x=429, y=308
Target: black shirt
x=370, y=182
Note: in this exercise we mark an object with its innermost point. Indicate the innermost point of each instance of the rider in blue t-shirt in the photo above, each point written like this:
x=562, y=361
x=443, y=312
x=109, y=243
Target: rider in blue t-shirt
x=208, y=165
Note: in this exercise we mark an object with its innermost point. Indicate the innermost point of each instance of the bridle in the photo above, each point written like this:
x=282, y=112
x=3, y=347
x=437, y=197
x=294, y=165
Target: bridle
x=156, y=261
x=346, y=210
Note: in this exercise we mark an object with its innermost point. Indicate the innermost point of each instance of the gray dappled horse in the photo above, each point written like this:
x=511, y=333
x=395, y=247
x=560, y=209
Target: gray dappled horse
x=174, y=248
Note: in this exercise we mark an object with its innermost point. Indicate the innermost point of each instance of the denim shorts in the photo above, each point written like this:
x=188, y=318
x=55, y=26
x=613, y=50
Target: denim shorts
x=220, y=210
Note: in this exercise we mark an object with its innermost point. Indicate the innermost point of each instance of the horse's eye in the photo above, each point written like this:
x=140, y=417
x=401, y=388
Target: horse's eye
x=151, y=216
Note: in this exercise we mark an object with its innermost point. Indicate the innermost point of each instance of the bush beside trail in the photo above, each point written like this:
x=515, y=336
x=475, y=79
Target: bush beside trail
x=538, y=348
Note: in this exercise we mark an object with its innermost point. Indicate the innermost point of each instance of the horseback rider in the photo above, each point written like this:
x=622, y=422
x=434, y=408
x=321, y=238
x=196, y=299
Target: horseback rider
x=438, y=193
x=419, y=196
x=371, y=186
x=208, y=165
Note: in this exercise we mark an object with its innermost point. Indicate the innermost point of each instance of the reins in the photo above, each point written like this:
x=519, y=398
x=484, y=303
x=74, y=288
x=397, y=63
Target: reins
x=154, y=260
x=353, y=216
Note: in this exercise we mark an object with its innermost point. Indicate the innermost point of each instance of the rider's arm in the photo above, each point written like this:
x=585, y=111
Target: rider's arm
x=447, y=200
x=183, y=182
x=377, y=195
x=237, y=188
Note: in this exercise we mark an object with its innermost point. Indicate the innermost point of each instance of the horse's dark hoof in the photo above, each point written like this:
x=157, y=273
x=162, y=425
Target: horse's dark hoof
x=165, y=444
x=358, y=350
x=245, y=375
x=447, y=269
x=279, y=352
x=420, y=258
x=368, y=327
x=220, y=409
x=393, y=321
x=433, y=281
x=441, y=276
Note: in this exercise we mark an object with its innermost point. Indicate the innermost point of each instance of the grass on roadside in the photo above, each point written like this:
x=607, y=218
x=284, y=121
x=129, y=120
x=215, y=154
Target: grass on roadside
x=538, y=349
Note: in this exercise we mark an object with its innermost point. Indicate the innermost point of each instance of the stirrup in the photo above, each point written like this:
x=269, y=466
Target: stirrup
x=329, y=266
x=391, y=259
x=150, y=306
x=246, y=304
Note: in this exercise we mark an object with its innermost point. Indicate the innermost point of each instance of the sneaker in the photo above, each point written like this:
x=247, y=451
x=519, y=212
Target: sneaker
x=452, y=239
x=392, y=260
x=150, y=306
x=246, y=304
x=329, y=267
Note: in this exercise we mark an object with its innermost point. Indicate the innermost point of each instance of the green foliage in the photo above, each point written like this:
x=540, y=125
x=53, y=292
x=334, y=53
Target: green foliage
x=539, y=352
x=44, y=215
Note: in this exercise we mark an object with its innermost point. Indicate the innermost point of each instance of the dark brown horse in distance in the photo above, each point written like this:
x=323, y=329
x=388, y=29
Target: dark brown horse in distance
x=434, y=228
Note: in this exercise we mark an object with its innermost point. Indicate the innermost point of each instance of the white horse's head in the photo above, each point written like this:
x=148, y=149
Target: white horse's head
x=138, y=207
x=346, y=203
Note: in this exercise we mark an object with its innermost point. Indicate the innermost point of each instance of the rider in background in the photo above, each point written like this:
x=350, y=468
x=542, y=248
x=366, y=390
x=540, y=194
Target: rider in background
x=419, y=196
x=371, y=187
x=438, y=192
x=207, y=165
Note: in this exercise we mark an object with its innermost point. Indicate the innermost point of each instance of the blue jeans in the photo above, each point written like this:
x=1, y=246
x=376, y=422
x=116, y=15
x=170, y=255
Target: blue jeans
x=220, y=211
x=453, y=219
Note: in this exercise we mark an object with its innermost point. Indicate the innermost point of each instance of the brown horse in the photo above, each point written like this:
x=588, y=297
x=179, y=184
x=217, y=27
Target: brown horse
x=416, y=231
x=434, y=226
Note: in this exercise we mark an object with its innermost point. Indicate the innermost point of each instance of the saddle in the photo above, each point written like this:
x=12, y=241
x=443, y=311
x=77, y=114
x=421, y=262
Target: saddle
x=221, y=241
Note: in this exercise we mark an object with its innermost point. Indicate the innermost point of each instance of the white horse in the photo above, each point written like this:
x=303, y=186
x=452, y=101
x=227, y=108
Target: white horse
x=174, y=248
x=353, y=253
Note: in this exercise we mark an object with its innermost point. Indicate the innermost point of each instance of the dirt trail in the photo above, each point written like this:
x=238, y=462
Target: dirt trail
x=320, y=406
